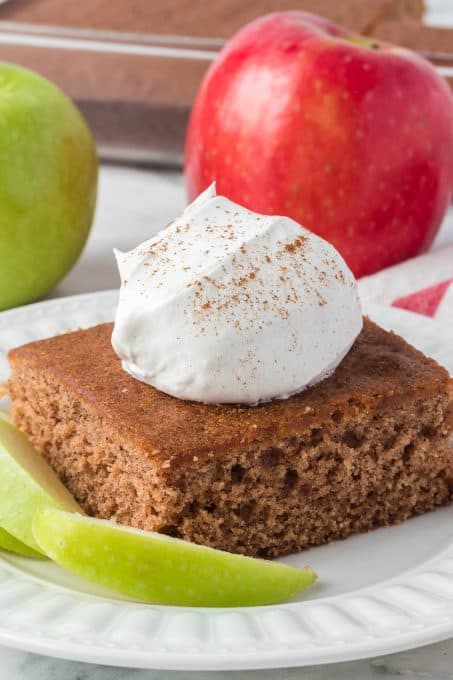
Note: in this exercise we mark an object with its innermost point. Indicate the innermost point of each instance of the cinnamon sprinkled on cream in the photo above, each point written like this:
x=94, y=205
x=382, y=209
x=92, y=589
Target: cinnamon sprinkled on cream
x=226, y=305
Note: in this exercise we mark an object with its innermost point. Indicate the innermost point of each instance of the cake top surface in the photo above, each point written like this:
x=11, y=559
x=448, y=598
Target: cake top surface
x=381, y=368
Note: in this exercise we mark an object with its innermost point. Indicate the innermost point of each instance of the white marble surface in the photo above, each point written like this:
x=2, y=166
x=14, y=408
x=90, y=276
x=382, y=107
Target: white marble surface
x=430, y=663
x=132, y=205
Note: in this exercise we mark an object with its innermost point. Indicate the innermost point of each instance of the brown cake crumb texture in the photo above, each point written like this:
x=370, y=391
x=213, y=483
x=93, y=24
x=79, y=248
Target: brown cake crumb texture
x=369, y=446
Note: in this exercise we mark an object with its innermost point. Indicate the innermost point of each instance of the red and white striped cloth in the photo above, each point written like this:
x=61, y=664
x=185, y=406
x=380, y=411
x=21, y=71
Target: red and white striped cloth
x=423, y=284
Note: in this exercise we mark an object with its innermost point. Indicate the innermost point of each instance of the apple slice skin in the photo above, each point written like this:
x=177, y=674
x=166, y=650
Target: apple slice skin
x=11, y=544
x=152, y=567
x=27, y=483
x=8, y=541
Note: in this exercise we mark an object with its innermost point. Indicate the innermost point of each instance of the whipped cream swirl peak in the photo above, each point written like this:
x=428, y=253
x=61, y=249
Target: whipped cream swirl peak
x=229, y=306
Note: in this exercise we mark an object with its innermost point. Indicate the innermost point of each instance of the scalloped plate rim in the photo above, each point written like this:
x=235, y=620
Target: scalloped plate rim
x=255, y=652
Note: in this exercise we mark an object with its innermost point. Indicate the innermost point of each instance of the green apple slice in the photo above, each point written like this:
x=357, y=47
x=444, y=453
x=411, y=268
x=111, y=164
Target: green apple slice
x=153, y=567
x=11, y=544
x=27, y=483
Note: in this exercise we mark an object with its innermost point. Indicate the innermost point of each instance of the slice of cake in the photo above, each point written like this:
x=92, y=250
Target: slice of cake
x=368, y=446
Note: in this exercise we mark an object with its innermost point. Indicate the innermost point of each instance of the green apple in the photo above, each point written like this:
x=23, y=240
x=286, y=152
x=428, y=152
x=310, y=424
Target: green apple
x=8, y=542
x=48, y=178
x=27, y=483
x=154, y=567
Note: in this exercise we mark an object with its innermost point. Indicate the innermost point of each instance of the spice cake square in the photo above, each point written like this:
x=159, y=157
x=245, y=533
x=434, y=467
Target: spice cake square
x=368, y=446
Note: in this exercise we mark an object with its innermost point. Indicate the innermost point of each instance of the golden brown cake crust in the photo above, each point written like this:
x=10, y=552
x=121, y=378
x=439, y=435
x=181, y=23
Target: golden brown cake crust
x=380, y=369
x=367, y=447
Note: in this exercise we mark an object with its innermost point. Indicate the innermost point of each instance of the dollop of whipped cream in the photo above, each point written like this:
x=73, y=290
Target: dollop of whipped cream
x=229, y=306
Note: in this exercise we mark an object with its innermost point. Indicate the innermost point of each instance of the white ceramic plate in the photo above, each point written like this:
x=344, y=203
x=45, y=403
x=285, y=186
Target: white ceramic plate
x=382, y=592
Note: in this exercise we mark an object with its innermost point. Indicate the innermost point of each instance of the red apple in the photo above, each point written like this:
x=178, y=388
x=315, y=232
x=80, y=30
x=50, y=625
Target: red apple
x=351, y=137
